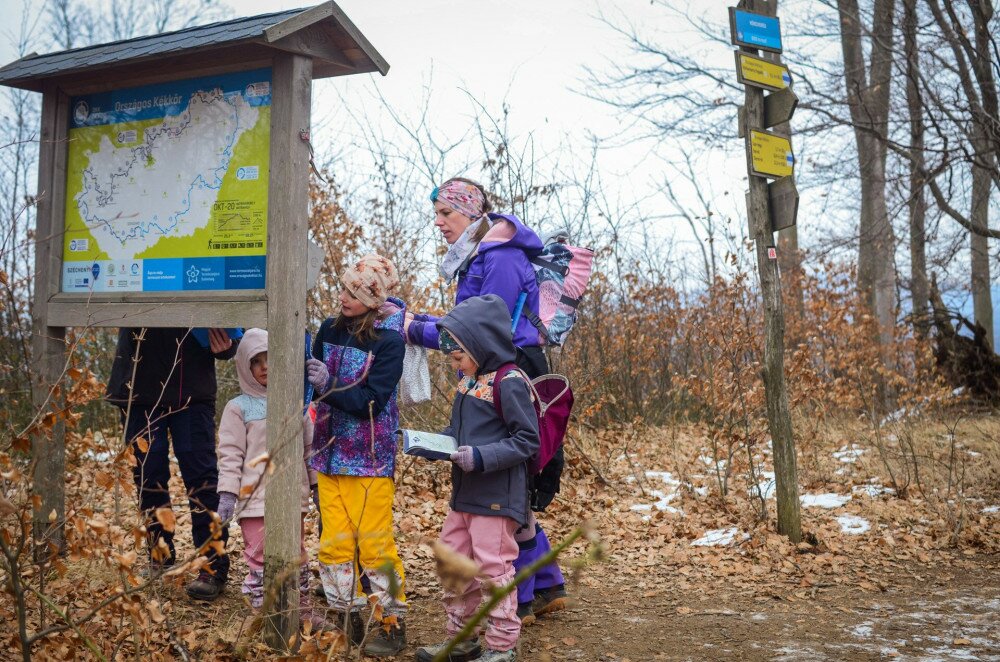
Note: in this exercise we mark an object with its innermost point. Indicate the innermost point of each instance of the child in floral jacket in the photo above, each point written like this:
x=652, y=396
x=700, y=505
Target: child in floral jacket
x=355, y=370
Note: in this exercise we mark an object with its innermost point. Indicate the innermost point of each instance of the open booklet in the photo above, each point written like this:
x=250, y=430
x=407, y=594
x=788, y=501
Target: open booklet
x=429, y=445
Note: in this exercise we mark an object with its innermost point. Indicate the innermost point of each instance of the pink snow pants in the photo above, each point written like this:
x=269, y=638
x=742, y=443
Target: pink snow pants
x=489, y=541
x=253, y=554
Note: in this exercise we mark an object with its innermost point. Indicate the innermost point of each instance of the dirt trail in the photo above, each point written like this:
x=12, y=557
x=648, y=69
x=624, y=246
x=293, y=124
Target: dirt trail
x=925, y=615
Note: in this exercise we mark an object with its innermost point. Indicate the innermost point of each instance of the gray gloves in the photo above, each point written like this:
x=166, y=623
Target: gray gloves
x=465, y=458
x=318, y=374
x=227, y=506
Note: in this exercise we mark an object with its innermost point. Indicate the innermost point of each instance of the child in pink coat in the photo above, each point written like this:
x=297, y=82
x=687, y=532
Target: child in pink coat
x=242, y=438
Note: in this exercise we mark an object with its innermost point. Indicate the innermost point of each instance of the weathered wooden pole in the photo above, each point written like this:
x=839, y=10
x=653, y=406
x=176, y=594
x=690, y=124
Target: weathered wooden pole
x=766, y=156
x=48, y=347
x=288, y=202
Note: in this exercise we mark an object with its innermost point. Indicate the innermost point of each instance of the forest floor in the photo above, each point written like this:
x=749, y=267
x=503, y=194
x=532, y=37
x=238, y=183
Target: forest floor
x=686, y=574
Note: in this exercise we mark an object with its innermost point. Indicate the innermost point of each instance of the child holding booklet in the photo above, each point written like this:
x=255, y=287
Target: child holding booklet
x=356, y=365
x=489, y=498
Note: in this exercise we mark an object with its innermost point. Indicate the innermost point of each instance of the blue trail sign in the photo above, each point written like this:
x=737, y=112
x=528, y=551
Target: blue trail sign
x=754, y=30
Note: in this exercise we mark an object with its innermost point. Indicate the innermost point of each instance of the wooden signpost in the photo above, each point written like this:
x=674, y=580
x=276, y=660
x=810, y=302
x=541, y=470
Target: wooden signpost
x=755, y=27
x=207, y=227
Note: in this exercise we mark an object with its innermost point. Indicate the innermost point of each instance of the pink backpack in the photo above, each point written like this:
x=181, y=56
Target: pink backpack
x=553, y=400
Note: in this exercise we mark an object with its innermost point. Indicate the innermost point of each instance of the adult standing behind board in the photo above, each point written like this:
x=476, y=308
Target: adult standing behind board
x=164, y=382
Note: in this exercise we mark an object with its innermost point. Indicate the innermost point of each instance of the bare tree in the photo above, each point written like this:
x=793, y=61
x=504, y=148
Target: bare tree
x=919, y=287
x=868, y=83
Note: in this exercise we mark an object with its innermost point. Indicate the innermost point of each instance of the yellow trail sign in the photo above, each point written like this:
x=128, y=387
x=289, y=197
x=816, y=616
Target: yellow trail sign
x=770, y=155
x=761, y=73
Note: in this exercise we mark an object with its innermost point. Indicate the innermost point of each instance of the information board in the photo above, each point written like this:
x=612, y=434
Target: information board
x=166, y=186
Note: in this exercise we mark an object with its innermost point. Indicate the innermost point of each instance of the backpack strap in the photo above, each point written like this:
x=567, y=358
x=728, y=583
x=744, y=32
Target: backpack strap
x=536, y=322
x=501, y=373
x=539, y=261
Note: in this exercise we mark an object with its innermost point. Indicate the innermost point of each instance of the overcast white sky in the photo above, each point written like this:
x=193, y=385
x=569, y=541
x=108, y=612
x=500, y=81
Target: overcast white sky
x=531, y=52
x=534, y=54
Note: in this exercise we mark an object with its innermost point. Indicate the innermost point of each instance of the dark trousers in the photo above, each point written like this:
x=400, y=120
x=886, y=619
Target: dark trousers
x=192, y=431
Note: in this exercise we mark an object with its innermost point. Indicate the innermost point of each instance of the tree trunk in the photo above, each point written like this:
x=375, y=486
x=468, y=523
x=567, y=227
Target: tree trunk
x=868, y=100
x=982, y=300
x=917, y=203
x=986, y=123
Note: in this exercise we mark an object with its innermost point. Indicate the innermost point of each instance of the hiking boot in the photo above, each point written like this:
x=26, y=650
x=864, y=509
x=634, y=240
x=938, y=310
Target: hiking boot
x=387, y=643
x=354, y=627
x=498, y=656
x=548, y=600
x=206, y=588
x=525, y=613
x=462, y=652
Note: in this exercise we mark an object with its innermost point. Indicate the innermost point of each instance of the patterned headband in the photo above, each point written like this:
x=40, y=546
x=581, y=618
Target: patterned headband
x=461, y=196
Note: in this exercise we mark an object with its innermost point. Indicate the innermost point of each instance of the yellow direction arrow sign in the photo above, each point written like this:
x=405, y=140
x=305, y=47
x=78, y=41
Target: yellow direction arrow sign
x=761, y=73
x=770, y=155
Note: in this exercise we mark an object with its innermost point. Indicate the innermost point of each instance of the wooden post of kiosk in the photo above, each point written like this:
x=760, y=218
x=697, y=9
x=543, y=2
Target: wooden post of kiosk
x=48, y=346
x=754, y=28
x=279, y=54
x=286, y=294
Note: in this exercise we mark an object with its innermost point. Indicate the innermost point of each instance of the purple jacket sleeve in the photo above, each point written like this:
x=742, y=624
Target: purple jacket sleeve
x=423, y=331
x=502, y=271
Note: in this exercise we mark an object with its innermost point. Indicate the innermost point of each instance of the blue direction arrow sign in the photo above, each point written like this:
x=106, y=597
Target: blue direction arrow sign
x=754, y=30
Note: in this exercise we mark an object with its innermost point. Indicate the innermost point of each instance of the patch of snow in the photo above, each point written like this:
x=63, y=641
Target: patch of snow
x=719, y=538
x=951, y=653
x=664, y=499
x=665, y=476
x=894, y=417
x=712, y=463
x=662, y=503
x=849, y=454
x=100, y=456
x=767, y=485
x=828, y=500
x=863, y=630
x=973, y=453
x=873, y=489
x=991, y=509
x=853, y=524
x=958, y=391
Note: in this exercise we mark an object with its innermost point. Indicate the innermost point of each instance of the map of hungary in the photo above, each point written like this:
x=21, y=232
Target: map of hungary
x=167, y=187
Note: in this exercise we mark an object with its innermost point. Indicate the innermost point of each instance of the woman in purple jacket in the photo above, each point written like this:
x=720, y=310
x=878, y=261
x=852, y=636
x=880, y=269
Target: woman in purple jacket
x=491, y=254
